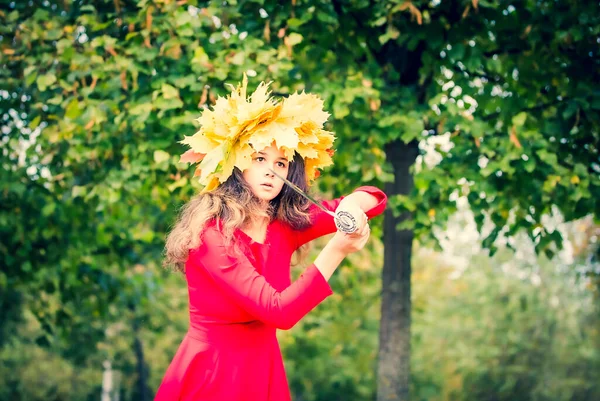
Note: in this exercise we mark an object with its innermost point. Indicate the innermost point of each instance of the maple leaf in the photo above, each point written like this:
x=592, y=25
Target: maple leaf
x=191, y=157
x=238, y=125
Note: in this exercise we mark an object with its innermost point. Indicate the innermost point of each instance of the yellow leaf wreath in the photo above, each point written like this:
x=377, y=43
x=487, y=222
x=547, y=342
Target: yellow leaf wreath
x=238, y=126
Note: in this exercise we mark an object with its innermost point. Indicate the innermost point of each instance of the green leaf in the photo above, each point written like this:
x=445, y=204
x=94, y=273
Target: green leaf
x=390, y=34
x=294, y=38
x=35, y=122
x=161, y=156
x=169, y=92
x=31, y=70
x=547, y=157
x=141, y=109
x=380, y=21
x=72, y=110
x=78, y=191
x=409, y=134
x=457, y=52
x=295, y=22
x=44, y=81
x=167, y=104
x=48, y=209
x=519, y=119
x=53, y=34
x=200, y=56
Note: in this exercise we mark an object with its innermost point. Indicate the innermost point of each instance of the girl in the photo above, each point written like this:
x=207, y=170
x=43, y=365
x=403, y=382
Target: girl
x=236, y=239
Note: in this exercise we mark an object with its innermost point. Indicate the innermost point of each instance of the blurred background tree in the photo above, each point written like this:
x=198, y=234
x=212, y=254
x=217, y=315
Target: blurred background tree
x=436, y=100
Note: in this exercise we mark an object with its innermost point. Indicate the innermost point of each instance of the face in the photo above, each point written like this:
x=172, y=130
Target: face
x=262, y=181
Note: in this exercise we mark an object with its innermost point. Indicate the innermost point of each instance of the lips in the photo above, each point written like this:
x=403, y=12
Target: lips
x=266, y=185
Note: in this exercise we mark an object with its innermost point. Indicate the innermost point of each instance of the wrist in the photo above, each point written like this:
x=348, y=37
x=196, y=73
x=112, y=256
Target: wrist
x=329, y=259
x=335, y=251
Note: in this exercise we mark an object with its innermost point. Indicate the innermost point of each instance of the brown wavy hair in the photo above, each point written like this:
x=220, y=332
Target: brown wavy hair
x=234, y=205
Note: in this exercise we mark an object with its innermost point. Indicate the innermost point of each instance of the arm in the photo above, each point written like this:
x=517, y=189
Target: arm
x=364, y=200
x=236, y=277
x=371, y=199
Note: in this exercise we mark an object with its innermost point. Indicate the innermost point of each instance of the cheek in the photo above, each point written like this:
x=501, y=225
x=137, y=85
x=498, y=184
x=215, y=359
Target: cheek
x=249, y=175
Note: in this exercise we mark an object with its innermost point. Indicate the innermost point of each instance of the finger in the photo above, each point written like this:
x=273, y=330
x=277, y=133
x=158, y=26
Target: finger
x=362, y=231
x=355, y=234
x=366, y=229
x=367, y=233
x=359, y=234
x=362, y=215
x=365, y=239
x=361, y=220
x=360, y=244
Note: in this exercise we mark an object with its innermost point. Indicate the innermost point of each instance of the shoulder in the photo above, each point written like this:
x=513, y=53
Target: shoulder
x=218, y=238
x=212, y=234
x=280, y=227
x=214, y=247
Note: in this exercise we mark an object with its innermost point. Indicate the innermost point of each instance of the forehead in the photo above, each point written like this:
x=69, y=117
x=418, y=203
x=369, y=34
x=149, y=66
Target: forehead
x=272, y=151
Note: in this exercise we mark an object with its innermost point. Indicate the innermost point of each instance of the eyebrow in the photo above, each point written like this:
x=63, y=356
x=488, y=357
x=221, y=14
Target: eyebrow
x=279, y=158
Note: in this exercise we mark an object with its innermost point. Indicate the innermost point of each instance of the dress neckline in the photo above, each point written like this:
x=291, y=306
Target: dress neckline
x=252, y=241
x=241, y=234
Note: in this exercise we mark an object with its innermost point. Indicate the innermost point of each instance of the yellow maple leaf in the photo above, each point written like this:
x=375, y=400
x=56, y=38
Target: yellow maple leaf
x=200, y=143
x=304, y=107
x=239, y=125
x=210, y=162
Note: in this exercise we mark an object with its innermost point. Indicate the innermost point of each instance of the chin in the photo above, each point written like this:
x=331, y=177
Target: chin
x=264, y=198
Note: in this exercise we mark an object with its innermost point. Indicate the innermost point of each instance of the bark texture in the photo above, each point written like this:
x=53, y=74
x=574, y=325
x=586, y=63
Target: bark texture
x=394, y=337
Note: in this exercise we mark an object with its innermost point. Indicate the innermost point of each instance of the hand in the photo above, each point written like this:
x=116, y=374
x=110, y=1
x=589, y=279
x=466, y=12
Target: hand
x=355, y=211
x=350, y=243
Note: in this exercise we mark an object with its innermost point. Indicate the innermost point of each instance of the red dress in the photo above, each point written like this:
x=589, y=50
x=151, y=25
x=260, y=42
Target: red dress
x=230, y=352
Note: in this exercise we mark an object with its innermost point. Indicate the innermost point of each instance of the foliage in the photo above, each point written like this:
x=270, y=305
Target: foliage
x=500, y=328
x=504, y=328
x=498, y=81
x=95, y=96
x=30, y=372
x=331, y=354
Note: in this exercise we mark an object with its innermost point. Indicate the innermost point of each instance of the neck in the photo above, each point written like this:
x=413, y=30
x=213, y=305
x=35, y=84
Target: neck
x=260, y=221
x=256, y=222
x=256, y=229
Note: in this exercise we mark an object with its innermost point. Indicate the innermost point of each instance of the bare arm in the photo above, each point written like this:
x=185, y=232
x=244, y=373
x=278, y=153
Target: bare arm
x=329, y=259
x=338, y=248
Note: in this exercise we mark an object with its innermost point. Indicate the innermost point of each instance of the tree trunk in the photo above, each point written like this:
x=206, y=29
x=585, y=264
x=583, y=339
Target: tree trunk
x=143, y=392
x=394, y=336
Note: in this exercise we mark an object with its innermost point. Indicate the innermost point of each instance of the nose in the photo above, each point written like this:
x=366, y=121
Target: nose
x=269, y=173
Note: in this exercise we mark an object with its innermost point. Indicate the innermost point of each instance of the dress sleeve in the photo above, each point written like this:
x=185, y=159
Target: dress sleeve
x=323, y=224
x=238, y=278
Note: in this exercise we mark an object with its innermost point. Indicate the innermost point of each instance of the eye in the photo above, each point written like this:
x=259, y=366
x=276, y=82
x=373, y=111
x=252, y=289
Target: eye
x=259, y=159
x=281, y=164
